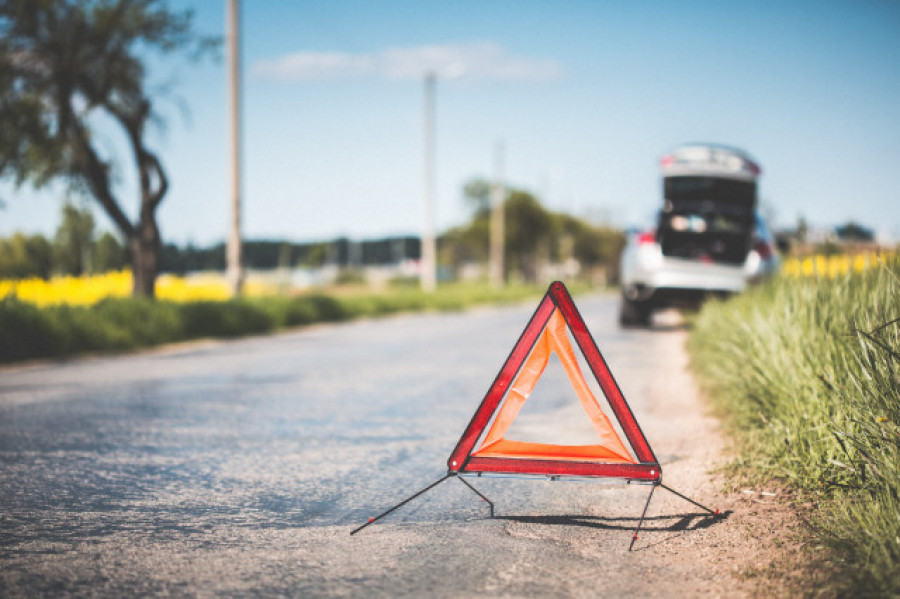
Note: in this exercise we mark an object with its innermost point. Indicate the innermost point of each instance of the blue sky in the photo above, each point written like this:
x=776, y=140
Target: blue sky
x=586, y=96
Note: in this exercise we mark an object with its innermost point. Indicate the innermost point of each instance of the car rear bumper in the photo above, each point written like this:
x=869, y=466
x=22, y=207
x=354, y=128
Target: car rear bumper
x=680, y=283
x=679, y=297
x=676, y=273
x=698, y=276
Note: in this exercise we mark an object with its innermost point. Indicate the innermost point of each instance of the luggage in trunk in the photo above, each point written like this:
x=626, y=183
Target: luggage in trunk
x=710, y=219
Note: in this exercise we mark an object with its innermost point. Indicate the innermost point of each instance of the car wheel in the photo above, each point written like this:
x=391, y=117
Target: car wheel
x=634, y=313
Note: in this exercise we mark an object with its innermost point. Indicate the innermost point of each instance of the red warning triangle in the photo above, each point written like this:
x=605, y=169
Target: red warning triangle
x=544, y=335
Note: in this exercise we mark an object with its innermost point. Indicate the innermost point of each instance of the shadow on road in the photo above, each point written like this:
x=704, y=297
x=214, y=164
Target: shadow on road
x=670, y=523
x=676, y=523
x=669, y=327
x=670, y=320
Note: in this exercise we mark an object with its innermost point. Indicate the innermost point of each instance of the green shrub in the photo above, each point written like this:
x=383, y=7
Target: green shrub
x=223, y=319
x=139, y=321
x=28, y=332
x=285, y=312
x=326, y=308
x=25, y=332
x=77, y=331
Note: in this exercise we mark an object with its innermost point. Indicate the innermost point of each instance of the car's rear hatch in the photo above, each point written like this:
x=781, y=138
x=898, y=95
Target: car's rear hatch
x=709, y=219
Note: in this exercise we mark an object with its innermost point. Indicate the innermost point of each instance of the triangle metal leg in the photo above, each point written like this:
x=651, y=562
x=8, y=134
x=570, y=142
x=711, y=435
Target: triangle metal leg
x=689, y=500
x=404, y=502
x=712, y=512
x=634, y=537
x=477, y=492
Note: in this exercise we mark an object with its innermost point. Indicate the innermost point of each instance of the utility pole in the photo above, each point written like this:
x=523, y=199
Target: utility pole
x=428, y=275
x=498, y=194
x=235, y=271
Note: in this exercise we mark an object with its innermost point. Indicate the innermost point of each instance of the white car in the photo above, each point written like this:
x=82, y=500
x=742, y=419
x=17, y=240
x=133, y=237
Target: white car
x=708, y=240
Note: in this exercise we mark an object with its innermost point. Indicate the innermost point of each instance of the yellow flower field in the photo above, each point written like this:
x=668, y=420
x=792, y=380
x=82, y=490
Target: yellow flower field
x=834, y=265
x=213, y=286
x=89, y=290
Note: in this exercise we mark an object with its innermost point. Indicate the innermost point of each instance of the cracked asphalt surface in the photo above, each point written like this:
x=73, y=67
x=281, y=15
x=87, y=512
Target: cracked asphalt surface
x=239, y=468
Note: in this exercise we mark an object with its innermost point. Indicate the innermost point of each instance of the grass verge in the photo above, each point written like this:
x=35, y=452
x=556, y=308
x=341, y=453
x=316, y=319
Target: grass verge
x=806, y=373
x=28, y=332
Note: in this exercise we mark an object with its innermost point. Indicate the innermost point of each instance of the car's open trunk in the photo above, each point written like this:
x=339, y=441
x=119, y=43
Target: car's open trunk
x=707, y=218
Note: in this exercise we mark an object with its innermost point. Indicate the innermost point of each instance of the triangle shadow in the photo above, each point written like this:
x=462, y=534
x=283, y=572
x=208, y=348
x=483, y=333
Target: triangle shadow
x=664, y=523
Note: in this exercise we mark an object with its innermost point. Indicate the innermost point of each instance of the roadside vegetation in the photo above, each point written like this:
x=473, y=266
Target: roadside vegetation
x=806, y=373
x=28, y=331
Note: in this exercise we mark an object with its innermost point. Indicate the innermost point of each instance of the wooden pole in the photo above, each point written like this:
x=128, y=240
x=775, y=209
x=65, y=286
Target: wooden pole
x=235, y=272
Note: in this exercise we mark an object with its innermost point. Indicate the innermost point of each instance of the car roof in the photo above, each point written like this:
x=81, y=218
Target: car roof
x=709, y=159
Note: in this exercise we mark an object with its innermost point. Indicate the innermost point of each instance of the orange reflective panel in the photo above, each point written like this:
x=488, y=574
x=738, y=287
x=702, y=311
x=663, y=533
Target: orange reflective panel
x=553, y=339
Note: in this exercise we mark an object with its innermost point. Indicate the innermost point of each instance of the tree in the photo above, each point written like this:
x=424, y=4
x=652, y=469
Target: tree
x=74, y=241
x=24, y=256
x=477, y=194
x=852, y=231
x=109, y=254
x=802, y=230
x=534, y=235
x=62, y=63
x=529, y=233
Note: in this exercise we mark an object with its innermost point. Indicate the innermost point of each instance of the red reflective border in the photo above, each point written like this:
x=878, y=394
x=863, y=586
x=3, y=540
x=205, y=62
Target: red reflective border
x=649, y=472
x=557, y=296
x=498, y=389
x=604, y=377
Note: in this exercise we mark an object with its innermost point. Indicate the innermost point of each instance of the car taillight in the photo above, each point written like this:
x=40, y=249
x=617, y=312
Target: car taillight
x=763, y=249
x=646, y=238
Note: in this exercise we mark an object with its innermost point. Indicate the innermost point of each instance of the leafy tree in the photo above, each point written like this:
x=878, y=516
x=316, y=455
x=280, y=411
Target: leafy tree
x=23, y=256
x=109, y=254
x=591, y=245
x=465, y=244
x=852, y=231
x=529, y=230
x=477, y=194
x=533, y=235
x=529, y=233
x=62, y=63
x=73, y=242
x=316, y=256
x=802, y=230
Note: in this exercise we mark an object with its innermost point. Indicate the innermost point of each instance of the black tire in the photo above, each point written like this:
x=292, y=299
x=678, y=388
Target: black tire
x=634, y=313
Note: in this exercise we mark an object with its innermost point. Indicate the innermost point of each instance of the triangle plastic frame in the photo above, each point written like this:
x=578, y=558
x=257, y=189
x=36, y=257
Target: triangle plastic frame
x=461, y=459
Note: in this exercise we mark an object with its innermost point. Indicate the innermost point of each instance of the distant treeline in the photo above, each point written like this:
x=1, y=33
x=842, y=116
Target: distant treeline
x=77, y=249
x=535, y=239
x=25, y=256
x=265, y=255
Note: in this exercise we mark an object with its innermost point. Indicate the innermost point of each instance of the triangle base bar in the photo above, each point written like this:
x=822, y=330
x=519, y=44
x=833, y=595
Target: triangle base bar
x=648, y=472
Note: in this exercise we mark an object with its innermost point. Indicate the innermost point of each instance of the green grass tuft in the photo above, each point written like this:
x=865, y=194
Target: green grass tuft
x=807, y=374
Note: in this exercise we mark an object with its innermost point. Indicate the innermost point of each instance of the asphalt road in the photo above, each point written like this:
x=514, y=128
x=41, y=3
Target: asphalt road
x=239, y=468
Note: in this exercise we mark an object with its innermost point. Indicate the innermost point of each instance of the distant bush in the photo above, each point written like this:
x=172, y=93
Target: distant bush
x=139, y=322
x=25, y=332
x=223, y=319
x=287, y=312
x=350, y=276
